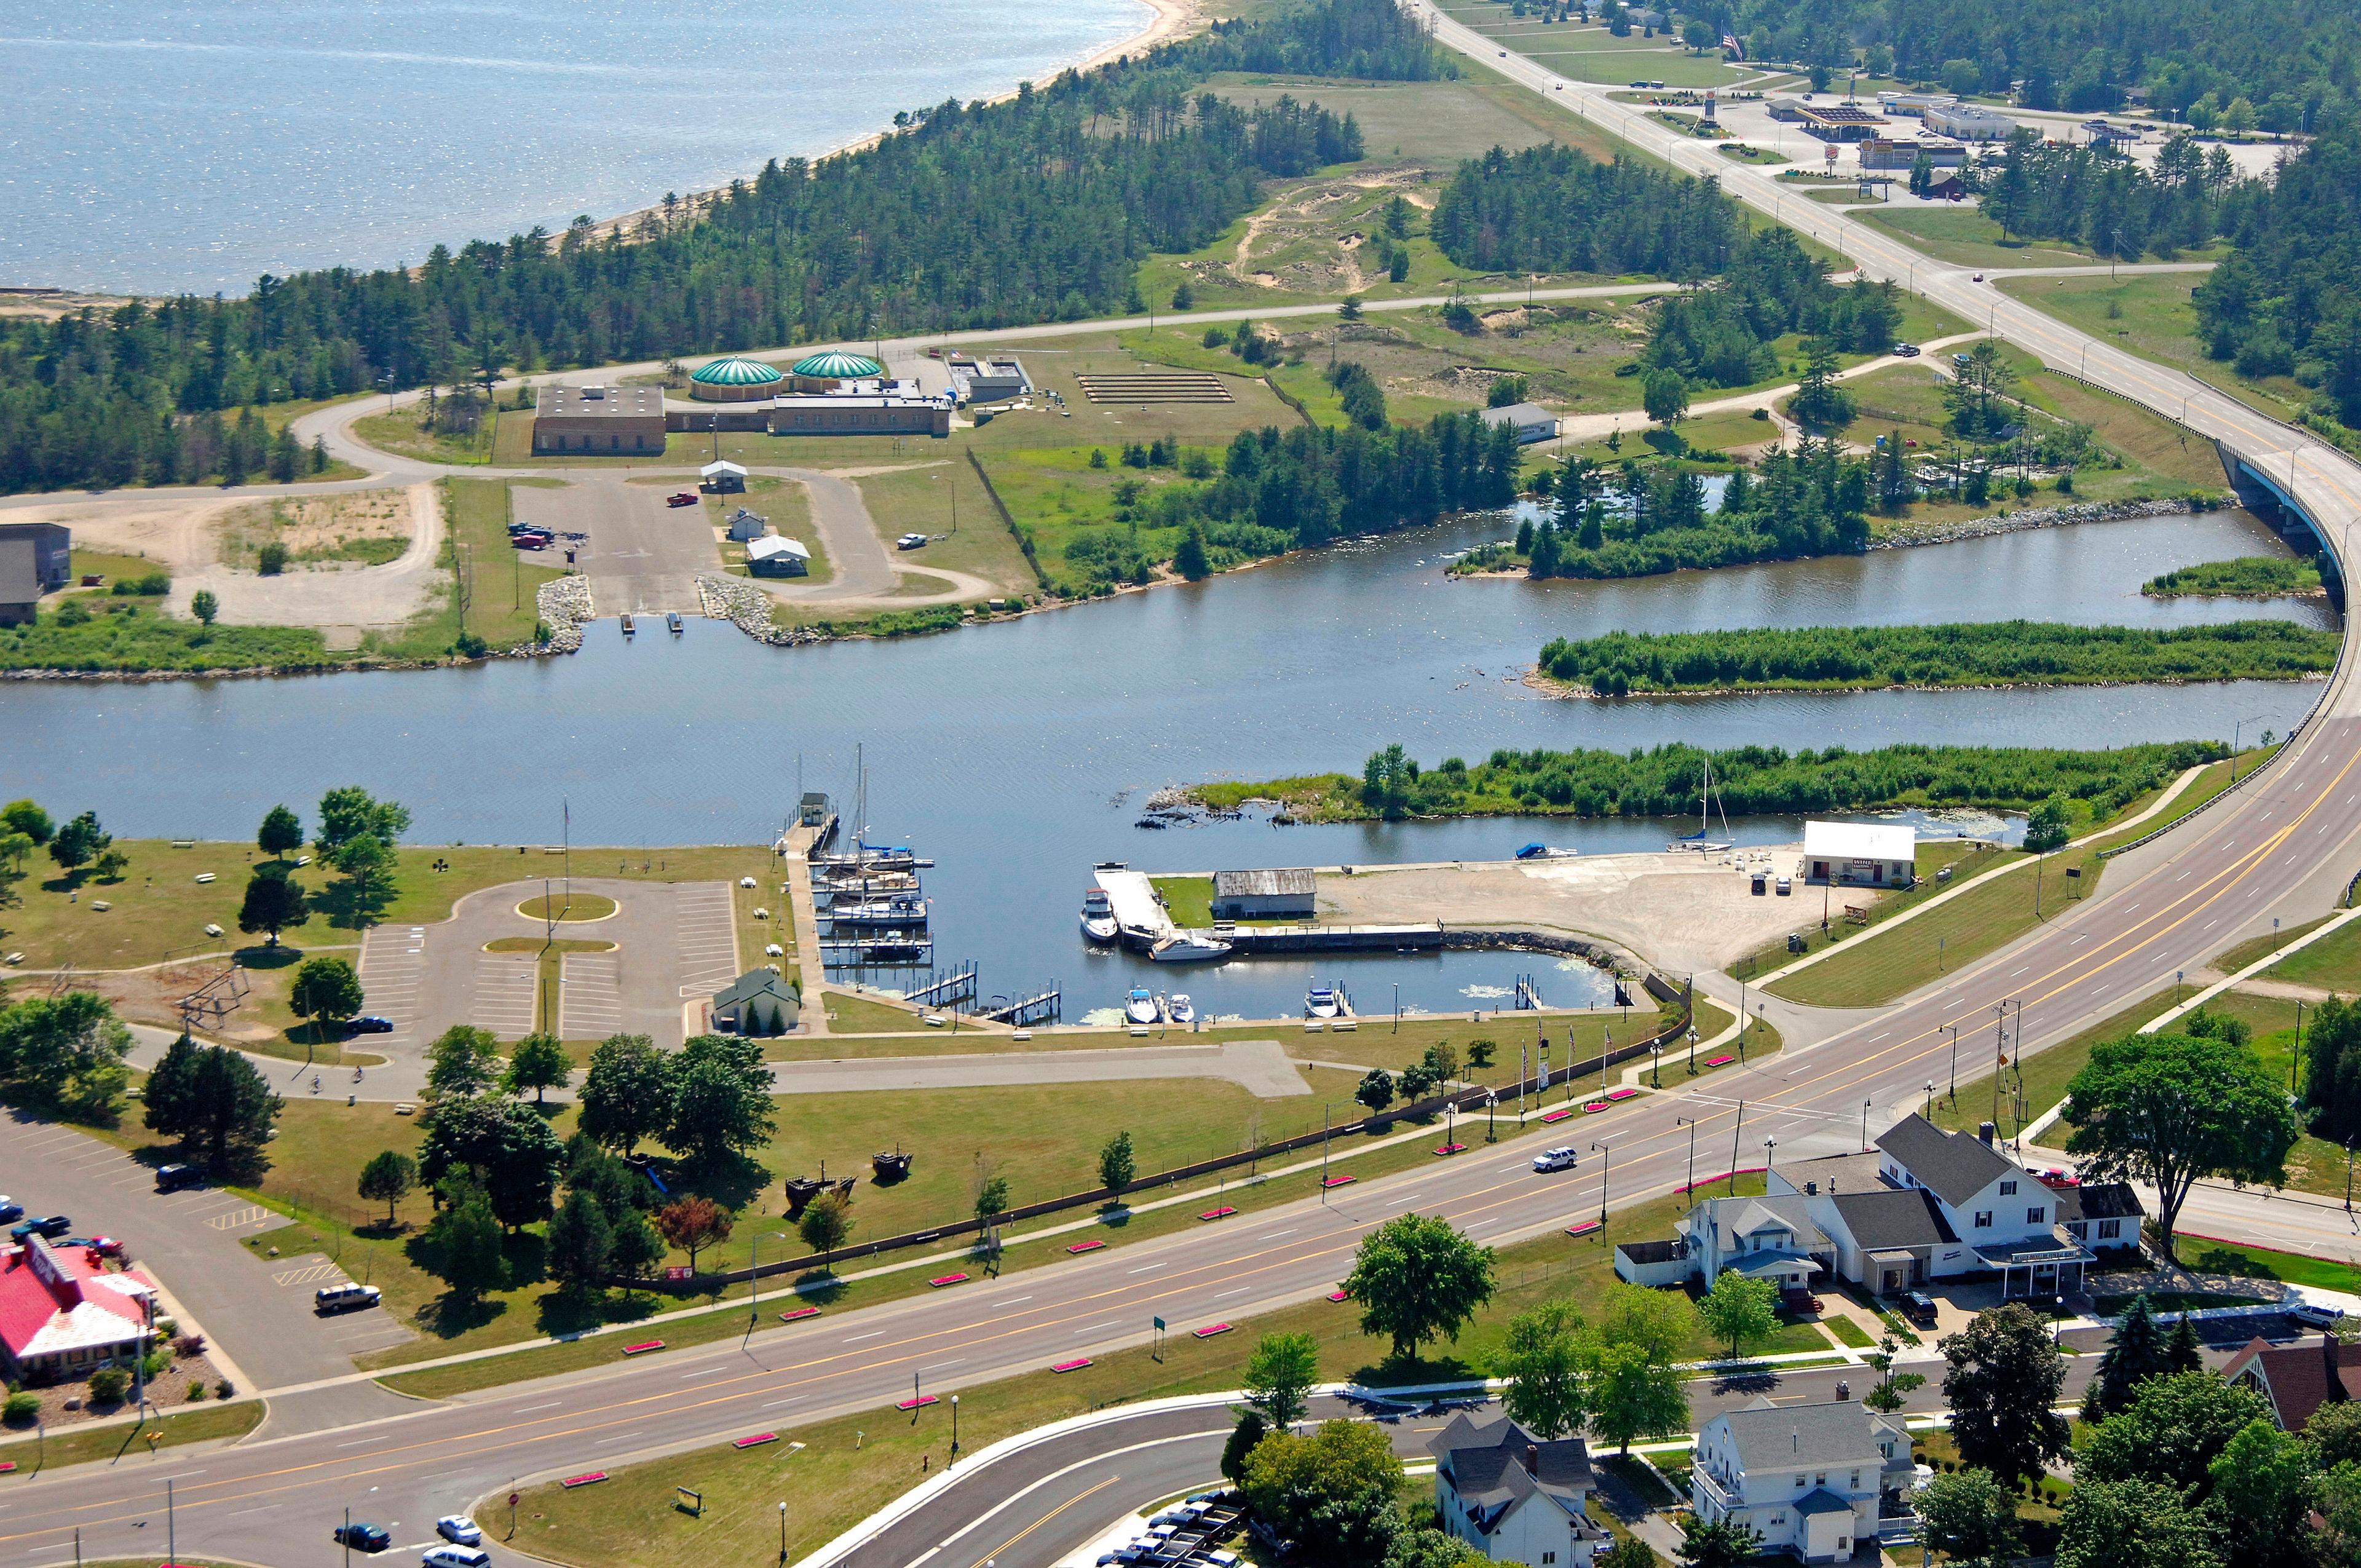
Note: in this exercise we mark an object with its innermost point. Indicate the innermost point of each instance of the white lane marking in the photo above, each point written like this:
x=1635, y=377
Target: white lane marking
x=2015, y=972
x=550, y=1406
x=1878, y=1035
x=357, y=1443
x=1108, y=1325
x=1014, y=1497
x=1146, y=1267
x=938, y=1366
x=707, y=1372
x=873, y=1334
x=1014, y=1300
x=264, y=1510
x=776, y=1403
x=1276, y=1234
x=922, y=1556
x=1239, y=1292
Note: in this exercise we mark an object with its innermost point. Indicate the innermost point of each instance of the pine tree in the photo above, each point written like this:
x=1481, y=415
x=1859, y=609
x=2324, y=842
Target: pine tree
x=2181, y=1346
x=2132, y=1357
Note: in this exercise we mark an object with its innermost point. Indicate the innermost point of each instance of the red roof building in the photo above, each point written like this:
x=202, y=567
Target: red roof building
x=2297, y=1380
x=62, y=1315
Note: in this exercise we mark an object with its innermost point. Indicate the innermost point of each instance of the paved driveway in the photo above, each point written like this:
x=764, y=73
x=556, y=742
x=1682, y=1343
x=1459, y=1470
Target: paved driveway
x=262, y=1324
x=641, y=553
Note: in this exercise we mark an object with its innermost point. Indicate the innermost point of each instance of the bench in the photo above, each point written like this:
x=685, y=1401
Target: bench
x=1209, y=1329
x=799, y=1314
x=1583, y=1229
x=1222, y=1214
x=591, y=1478
x=757, y=1440
x=920, y=1403
x=1085, y=1246
x=1339, y=1181
x=644, y=1346
x=1074, y=1366
x=940, y=1280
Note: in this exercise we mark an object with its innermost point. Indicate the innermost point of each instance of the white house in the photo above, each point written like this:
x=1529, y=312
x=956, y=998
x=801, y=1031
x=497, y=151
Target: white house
x=1515, y=1498
x=745, y=525
x=2006, y=1218
x=1809, y=1479
x=1868, y=854
x=1531, y=420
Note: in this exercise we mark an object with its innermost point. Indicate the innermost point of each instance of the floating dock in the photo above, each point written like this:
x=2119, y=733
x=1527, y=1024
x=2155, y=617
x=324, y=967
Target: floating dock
x=1141, y=920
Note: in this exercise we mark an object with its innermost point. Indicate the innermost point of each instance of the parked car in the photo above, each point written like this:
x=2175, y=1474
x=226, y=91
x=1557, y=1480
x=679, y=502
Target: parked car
x=1784, y=887
x=1562, y=1158
x=172, y=1178
x=2316, y=1314
x=459, y=1527
x=346, y=1297
x=454, y=1557
x=532, y=541
x=361, y=1537
x=48, y=1227
x=10, y=1209
x=369, y=1023
x=1762, y=884
x=1905, y=351
x=1918, y=1306
x=910, y=542
x=681, y=499
x=100, y=1246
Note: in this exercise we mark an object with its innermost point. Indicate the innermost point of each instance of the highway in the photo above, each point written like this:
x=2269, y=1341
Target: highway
x=2281, y=845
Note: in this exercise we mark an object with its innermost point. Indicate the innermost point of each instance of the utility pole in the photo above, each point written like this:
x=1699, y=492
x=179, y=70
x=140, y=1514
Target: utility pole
x=1733, y=1147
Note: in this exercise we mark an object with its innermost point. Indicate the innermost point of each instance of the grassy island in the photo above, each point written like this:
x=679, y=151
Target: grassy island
x=2247, y=577
x=1665, y=781
x=2007, y=653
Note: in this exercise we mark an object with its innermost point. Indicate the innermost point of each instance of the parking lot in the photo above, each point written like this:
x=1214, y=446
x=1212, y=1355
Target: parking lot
x=672, y=944
x=256, y=1313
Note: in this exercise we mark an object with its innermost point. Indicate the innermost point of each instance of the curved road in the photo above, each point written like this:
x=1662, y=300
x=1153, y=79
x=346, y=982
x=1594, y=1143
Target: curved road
x=2281, y=845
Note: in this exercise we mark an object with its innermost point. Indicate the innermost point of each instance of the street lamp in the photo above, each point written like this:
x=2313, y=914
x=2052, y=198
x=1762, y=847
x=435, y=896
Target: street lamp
x=954, y=1458
x=1930, y=1100
x=1656, y=1064
x=782, y=1533
x=1864, y=1126
x=1606, y=1160
x=1689, y=1188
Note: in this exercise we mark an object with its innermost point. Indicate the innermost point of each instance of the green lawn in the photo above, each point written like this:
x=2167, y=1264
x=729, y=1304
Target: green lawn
x=1971, y=924
x=128, y=1444
x=838, y=1477
x=1965, y=237
x=2210, y=1256
x=2150, y=314
x=2334, y=962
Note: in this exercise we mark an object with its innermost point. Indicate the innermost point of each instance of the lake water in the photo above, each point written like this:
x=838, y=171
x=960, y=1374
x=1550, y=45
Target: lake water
x=1019, y=754
x=170, y=144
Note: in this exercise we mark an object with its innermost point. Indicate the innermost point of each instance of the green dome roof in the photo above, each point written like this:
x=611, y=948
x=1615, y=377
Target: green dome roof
x=735, y=372
x=837, y=366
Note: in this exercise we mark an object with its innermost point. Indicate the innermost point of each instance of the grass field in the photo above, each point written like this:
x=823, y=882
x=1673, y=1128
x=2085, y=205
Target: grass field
x=2334, y=962
x=1583, y=52
x=837, y=1478
x=477, y=514
x=128, y=1443
x=403, y=432
x=1964, y=859
x=2150, y=314
x=1965, y=237
x=1977, y=921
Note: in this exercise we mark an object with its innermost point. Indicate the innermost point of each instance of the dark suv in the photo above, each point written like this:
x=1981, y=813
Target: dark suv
x=172, y=1178
x=1918, y=1306
x=48, y=1227
x=361, y=1537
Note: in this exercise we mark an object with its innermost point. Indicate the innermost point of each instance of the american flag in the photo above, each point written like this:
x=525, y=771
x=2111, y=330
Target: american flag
x=1736, y=51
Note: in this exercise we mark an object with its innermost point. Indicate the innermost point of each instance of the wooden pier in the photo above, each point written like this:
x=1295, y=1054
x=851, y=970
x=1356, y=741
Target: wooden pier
x=1529, y=995
x=1038, y=1008
x=945, y=990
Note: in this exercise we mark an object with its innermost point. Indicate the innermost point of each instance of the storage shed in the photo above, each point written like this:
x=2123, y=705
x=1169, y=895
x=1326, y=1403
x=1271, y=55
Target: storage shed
x=776, y=557
x=1863, y=854
x=1530, y=421
x=1263, y=896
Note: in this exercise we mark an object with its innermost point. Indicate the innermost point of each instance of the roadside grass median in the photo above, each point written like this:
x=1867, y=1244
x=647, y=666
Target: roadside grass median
x=851, y=1465
x=127, y=1441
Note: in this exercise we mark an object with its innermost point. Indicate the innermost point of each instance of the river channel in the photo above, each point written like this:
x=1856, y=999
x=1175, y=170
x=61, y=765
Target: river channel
x=1020, y=753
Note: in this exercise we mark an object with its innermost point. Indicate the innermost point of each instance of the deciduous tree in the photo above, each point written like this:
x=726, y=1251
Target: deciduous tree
x=1416, y=1277
x=281, y=833
x=1738, y=1310
x=2003, y=1387
x=1542, y=1359
x=2173, y=1430
x=721, y=1098
x=463, y=1061
x=627, y=1095
x=64, y=1053
x=274, y=901
x=464, y=1247
x=2167, y=1110
x=388, y=1179
x=1330, y=1492
x=1280, y=1378
x=826, y=1224
x=581, y=1243
x=538, y=1063
x=692, y=1223
x=1967, y=1514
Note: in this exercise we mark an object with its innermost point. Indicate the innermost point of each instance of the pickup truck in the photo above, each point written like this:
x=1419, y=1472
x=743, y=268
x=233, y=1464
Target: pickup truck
x=681, y=499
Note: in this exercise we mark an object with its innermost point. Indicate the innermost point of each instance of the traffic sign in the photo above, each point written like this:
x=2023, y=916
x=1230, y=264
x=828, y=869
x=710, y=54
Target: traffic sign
x=514, y=1499
x=1158, y=1322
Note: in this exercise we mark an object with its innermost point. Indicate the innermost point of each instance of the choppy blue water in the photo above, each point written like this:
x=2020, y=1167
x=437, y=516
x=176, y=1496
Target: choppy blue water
x=193, y=145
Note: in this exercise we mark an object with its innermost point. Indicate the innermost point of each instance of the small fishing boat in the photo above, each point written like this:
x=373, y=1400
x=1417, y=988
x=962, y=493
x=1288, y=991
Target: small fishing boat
x=1546, y=853
x=629, y=625
x=1098, y=916
x=1183, y=1010
x=1320, y=1001
x=673, y=622
x=1188, y=947
x=1140, y=1007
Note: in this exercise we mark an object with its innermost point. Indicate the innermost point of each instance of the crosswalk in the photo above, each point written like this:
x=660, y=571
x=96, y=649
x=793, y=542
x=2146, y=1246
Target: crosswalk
x=708, y=937
x=504, y=993
x=590, y=997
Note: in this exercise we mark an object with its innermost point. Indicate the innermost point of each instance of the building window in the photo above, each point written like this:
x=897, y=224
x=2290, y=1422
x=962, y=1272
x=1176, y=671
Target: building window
x=1778, y=1518
x=1855, y=1483
x=2110, y=1230
x=1821, y=1479
x=2008, y=1189
x=2033, y=1215
x=1549, y=1557
x=1799, y=1481
x=1984, y=1219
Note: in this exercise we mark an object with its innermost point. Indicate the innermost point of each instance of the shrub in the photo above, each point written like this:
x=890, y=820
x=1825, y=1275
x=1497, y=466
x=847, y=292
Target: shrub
x=20, y=1408
x=222, y=1388
x=107, y=1385
x=196, y=1391
x=271, y=559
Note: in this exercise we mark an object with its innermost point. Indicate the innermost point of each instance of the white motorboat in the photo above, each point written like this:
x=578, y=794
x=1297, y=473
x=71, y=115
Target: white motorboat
x=1098, y=916
x=1320, y=1001
x=1183, y=1010
x=1188, y=947
x=1140, y=1007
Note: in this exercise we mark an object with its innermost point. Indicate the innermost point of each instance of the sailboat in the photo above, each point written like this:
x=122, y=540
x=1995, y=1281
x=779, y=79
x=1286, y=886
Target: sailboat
x=1708, y=802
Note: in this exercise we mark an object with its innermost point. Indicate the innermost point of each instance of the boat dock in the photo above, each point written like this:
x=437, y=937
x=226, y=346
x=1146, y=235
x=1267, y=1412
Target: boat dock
x=1046, y=1006
x=945, y=990
x=1251, y=939
x=1140, y=916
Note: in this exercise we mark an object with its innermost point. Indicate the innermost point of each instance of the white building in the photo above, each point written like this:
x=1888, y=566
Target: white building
x=1969, y=122
x=1868, y=854
x=1289, y=894
x=1514, y=1498
x=1531, y=420
x=776, y=556
x=1812, y=1480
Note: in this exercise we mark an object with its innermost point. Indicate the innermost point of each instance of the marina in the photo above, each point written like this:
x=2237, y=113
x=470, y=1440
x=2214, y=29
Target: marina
x=1319, y=657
